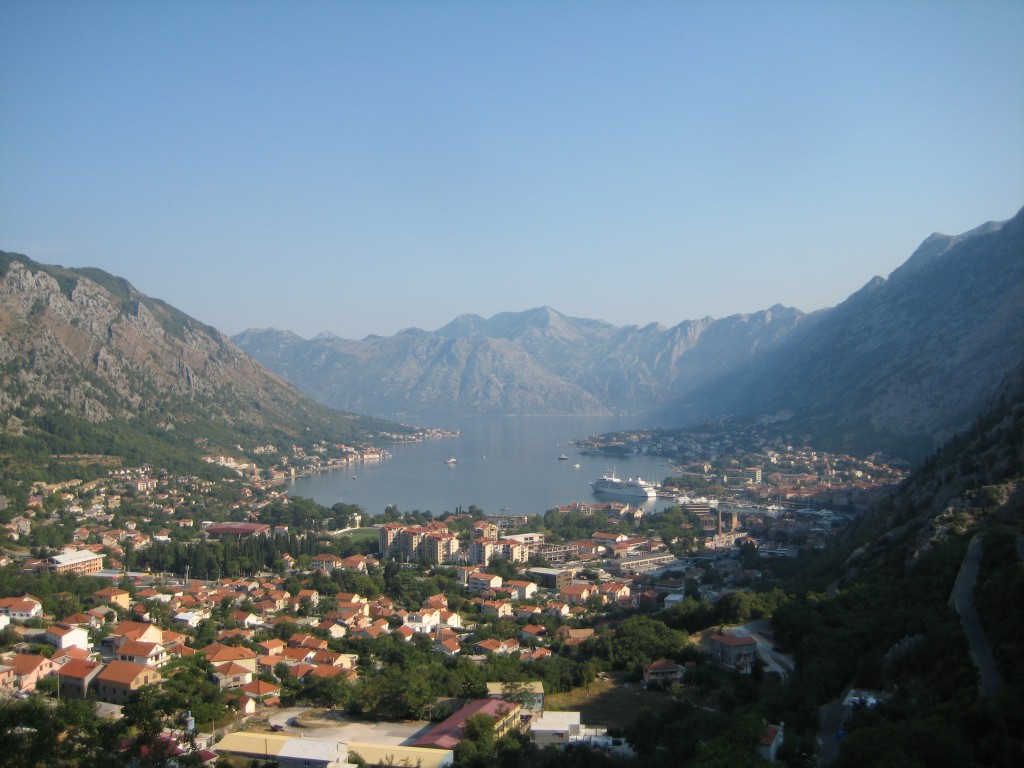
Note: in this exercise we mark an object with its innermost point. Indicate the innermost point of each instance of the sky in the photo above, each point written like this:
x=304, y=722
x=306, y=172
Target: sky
x=363, y=167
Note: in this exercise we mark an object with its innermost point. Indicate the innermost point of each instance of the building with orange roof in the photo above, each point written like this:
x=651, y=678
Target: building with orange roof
x=119, y=680
x=231, y=675
x=112, y=596
x=733, y=650
x=449, y=733
x=219, y=654
x=261, y=691
x=152, y=655
x=75, y=677
x=29, y=669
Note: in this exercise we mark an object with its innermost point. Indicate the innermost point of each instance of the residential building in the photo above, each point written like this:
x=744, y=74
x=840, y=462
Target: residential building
x=62, y=635
x=499, y=608
x=119, y=680
x=75, y=677
x=555, y=729
x=152, y=655
x=577, y=594
x=552, y=578
x=326, y=563
x=732, y=650
x=113, y=596
x=477, y=581
x=29, y=669
x=482, y=551
x=440, y=548
x=450, y=732
x=424, y=621
x=661, y=673
x=82, y=562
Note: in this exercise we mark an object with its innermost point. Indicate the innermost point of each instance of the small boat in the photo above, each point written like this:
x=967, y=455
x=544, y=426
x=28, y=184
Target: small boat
x=563, y=457
x=575, y=466
x=452, y=460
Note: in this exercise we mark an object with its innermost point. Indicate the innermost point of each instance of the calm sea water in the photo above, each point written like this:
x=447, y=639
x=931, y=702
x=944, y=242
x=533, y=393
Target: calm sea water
x=505, y=463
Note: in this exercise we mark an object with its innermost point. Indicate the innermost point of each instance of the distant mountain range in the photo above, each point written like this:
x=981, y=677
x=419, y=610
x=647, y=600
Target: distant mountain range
x=534, y=362
x=900, y=365
x=90, y=365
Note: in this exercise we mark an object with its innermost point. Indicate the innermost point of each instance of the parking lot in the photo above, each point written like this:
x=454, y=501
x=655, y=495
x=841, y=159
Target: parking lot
x=339, y=727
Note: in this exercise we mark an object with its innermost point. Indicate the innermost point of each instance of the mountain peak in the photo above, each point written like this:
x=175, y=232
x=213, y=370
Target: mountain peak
x=937, y=244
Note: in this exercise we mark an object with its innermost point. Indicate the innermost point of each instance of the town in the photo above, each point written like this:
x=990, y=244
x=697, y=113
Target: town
x=270, y=618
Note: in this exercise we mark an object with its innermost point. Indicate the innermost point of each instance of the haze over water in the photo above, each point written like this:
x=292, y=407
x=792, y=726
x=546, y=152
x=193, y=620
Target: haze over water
x=502, y=462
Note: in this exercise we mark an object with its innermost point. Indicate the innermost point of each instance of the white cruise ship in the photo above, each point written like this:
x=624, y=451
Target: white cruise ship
x=612, y=485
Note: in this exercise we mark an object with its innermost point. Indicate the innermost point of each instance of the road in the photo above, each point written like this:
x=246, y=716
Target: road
x=830, y=717
x=962, y=599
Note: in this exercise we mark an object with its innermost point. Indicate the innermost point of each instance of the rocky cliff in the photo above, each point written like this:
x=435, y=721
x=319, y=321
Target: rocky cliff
x=82, y=350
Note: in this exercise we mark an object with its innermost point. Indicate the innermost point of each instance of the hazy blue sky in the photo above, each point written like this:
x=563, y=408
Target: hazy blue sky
x=363, y=167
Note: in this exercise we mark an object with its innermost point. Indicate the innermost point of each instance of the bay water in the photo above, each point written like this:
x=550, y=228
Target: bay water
x=503, y=465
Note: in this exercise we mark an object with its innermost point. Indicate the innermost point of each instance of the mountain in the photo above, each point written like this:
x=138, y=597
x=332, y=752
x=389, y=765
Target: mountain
x=418, y=373
x=899, y=366
x=537, y=362
x=922, y=601
x=90, y=365
x=906, y=361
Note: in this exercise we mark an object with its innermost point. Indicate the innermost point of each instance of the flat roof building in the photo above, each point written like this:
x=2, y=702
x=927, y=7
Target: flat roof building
x=81, y=562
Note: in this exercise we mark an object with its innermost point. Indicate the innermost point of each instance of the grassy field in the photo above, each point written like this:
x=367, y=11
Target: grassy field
x=607, y=702
x=360, y=534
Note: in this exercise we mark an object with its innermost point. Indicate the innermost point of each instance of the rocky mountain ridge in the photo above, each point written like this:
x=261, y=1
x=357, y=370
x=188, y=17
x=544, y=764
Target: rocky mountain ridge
x=900, y=365
x=83, y=352
x=905, y=362
x=537, y=362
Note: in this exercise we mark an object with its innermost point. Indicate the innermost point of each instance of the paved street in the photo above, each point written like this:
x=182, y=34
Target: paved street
x=962, y=599
x=829, y=718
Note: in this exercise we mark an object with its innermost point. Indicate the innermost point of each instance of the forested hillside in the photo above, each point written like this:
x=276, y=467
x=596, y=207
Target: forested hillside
x=886, y=622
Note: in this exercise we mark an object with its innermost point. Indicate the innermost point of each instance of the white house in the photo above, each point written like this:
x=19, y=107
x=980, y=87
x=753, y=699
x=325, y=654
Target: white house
x=423, y=621
x=558, y=728
x=21, y=608
x=67, y=636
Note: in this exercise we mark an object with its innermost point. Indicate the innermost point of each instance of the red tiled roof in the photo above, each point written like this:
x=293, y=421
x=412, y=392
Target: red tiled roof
x=124, y=672
x=448, y=734
x=733, y=641
x=78, y=668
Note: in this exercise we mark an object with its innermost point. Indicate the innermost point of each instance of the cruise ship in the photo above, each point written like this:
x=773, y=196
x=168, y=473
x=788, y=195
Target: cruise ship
x=612, y=485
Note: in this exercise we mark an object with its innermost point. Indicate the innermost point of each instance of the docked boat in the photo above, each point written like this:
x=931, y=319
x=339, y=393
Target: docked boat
x=615, y=486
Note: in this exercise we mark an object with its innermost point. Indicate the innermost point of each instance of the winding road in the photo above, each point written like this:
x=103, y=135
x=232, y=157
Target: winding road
x=962, y=599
